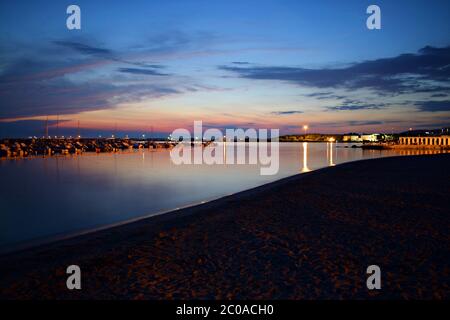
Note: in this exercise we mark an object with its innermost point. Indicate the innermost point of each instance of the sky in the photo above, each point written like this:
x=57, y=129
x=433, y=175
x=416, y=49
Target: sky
x=149, y=67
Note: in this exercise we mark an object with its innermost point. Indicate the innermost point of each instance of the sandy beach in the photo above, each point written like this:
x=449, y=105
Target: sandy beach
x=310, y=236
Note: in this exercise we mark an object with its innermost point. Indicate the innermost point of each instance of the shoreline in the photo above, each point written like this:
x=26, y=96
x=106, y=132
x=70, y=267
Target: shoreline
x=47, y=241
x=219, y=218
x=44, y=241
x=132, y=145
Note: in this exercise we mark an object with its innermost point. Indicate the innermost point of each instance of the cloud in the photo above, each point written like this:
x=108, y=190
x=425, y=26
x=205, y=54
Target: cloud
x=439, y=95
x=324, y=95
x=84, y=48
x=169, y=43
x=24, y=128
x=55, y=81
x=319, y=94
x=32, y=98
x=283, y=113
x=402, y=74
x=364, y=123
x=102, y=53
x=433, y=106
x=148, y=72
x=353, y=107
x=352, y=104
x=358, y=123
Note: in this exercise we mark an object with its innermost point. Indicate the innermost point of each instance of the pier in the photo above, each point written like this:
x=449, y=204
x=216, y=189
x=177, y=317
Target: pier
x=14, y=148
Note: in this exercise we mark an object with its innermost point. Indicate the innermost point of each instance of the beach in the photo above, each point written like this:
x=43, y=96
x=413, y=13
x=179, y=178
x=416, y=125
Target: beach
x=309, y=236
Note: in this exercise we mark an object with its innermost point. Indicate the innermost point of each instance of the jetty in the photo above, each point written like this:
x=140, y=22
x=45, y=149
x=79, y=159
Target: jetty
x=13, y=148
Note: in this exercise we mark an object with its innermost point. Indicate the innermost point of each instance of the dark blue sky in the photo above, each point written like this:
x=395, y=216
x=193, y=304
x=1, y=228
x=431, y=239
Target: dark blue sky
x=277, y=64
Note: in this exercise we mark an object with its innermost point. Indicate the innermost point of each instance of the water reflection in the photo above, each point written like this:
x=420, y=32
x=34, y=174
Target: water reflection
x=330, y=151
x=305, y=158
x=44, y=197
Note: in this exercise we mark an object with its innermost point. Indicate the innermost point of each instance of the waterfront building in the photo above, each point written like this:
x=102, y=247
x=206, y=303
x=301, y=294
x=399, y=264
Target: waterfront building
x=369, y=137
x=352, y=137
x=443, y=141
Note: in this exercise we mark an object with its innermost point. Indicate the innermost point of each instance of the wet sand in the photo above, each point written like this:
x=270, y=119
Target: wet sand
x=310, y=236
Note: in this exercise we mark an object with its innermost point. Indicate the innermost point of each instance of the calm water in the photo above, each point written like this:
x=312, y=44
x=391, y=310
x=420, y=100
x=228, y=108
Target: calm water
x=44, y=198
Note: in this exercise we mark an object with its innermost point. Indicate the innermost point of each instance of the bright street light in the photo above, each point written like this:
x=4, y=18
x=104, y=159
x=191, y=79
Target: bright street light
x=305, y=128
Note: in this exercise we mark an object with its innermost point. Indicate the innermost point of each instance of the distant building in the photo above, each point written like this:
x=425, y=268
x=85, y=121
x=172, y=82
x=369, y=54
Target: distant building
x=425, y=141
x=369, y=137
x=352, y=137
x=355, y=137
x=386, y=137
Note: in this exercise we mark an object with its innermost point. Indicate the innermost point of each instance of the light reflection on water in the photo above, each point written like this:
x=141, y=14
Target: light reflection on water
x=48, y=197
